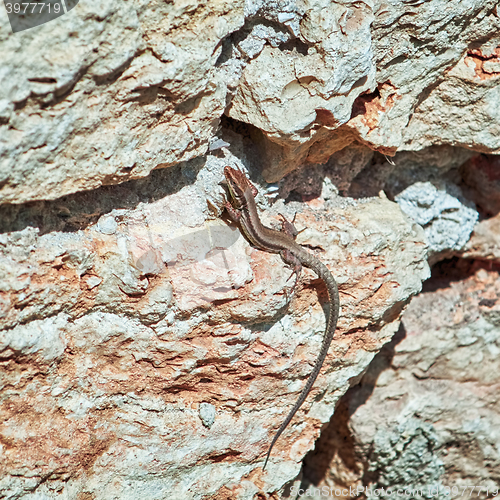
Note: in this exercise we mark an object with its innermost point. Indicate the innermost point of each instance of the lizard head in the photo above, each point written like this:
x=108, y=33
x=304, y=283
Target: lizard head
x=238, y=184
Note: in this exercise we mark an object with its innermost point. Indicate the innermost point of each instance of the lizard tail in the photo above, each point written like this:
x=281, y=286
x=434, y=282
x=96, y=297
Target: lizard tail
x=322, y=271
x=293, y=411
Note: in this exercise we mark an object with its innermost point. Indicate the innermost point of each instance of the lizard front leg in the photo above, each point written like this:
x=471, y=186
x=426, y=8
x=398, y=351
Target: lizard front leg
x=234, y=214
x=287, y=227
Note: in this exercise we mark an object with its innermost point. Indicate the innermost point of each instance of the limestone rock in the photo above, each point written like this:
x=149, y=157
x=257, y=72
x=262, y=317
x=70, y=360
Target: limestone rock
x=448, y=222
x=107, y=93
x=124, y=88
x=153, y=350
x=485, y=241
x=475, y=78
x=363, y=71
x=426, y=414
x=146, y=350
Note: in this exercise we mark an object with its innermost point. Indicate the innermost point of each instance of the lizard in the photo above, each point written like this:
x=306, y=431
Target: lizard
x=242, y=210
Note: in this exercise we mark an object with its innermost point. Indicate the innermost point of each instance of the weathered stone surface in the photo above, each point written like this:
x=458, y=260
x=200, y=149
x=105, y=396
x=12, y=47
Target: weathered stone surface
x=107, y=93
x=485, y=240
x=481, y=176
x=123, y=88
x=447, y=218
x=473, y=81
x=147, y=351
x=362, y=71
x=153, y=350
x=426, y=414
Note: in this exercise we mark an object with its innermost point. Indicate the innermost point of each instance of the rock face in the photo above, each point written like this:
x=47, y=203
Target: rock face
x=123, y=88
x=426, y=415
x=118, y=369
x=109, y=92
x=146, y=349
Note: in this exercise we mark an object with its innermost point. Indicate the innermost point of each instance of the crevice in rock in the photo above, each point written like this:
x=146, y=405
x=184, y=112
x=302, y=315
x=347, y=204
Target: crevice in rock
x=296, y=45
x=61, y=93
x=42, y=80
x=455, y=269
x=408, y=167
x=480, y=182
x=116, y=73
x=336, y=444
x=247, y=42
x=359, y=104
x=77, y=211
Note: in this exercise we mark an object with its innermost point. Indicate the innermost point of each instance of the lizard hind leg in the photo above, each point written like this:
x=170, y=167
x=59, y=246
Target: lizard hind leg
x=294, y=263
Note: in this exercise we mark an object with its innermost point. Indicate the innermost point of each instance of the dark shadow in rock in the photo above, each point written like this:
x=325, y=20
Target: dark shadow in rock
x=481, y=183
x=77, y=211
x=336, y=442
x=455, y=269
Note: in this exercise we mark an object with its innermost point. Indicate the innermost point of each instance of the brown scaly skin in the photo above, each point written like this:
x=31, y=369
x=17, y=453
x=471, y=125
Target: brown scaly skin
x=242, y=209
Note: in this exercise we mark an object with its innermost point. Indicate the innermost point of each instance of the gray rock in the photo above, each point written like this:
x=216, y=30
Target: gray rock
x=447, y=221
x=125, y=308
x=207, y=414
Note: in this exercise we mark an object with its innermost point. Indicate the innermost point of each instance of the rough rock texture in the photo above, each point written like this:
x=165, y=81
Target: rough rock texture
x=146, y=350
x=362, y=71
x=165, y=377
x=447, y=221
x=474, y=79
x=426, y=415
x=126, y=87
x=122, y=88
x=485, y=241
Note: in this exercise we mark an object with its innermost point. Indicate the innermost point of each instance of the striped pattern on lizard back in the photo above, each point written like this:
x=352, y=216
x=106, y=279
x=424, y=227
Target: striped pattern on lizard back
x=243, y=210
